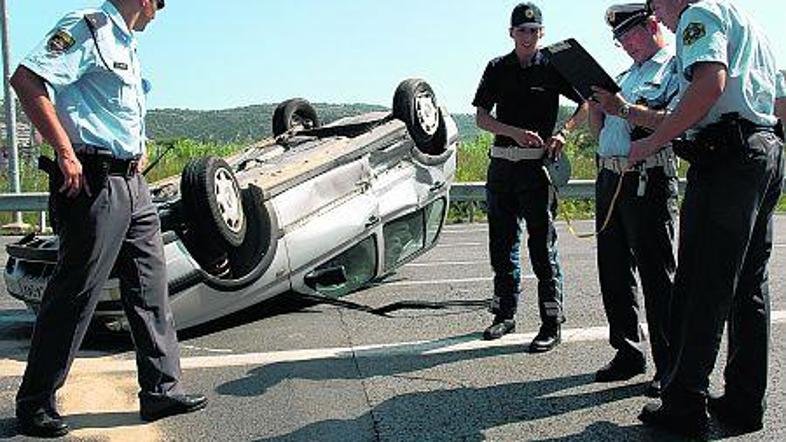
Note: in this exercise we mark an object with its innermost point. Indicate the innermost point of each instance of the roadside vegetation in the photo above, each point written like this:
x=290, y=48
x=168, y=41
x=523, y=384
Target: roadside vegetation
x=472, y=164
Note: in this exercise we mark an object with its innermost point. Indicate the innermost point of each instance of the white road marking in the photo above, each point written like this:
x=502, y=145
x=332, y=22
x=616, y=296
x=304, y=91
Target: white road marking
x=437, y=281
x=418, y=348
x=446, y=281
x=209, y=350
x=461, y=244
x=446, y=263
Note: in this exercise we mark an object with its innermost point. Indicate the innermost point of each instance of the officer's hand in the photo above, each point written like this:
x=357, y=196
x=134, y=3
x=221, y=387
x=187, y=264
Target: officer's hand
x=554, y=145
x=641, y=149
x=140, y=166
x=73, y=176
x=527, y=138
x=609, y=103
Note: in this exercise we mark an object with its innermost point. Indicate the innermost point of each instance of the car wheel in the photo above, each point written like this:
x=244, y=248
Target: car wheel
x=415, y=104
x=212, y=203
x=292, y=115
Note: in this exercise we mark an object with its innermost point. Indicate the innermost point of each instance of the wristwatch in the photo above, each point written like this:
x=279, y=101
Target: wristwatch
x=624, y=111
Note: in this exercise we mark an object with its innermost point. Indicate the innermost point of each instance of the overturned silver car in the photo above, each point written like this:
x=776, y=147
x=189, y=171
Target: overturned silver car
x=316, y=210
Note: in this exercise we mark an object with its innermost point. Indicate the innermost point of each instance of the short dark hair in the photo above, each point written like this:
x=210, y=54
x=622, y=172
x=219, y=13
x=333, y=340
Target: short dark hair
x=160, y=4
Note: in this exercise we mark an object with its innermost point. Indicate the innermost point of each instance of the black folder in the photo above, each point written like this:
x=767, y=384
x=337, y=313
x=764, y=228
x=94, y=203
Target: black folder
x=578, y=67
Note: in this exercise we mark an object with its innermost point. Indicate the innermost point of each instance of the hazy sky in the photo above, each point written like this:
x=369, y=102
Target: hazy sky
x=216, y=54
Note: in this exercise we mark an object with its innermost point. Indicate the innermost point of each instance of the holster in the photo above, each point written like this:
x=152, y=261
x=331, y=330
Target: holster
x=49, y=166
x=715, y=142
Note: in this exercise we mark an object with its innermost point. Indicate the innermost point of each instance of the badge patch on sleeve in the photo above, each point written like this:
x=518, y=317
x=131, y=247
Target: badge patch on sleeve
x=693, y=33
x=60, y=42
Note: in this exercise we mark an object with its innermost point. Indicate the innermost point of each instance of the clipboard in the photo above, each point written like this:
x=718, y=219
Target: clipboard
x=579, y=68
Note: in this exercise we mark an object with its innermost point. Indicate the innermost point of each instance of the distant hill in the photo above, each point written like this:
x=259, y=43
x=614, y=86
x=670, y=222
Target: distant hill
x=252, y=123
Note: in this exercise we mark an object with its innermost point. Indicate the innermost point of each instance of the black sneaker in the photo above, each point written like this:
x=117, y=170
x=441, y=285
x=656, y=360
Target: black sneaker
x=499, y=328
x=621, y=368
x=690, y=422
x=733, y=415
x=548, y=337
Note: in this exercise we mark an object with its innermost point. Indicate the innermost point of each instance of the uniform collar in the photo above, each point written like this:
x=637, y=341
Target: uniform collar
x=513, y=59
x=663, y=55
x=114, y=15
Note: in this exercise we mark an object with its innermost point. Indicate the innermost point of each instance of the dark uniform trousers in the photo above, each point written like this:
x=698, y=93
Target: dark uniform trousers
x=537, y=208
x=639, y=236
x=725, y=244
x=118, y=224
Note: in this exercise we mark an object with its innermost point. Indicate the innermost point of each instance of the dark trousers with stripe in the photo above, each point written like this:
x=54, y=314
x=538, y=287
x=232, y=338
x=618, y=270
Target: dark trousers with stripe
x=639, y=237
x=725, y=245
x=117, y=227
x=536, y=208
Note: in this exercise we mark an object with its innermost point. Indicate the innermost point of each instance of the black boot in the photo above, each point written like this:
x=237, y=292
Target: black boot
x=548, y=337
x=685, y=419
x=621, y=368
x=499, y=328
x=734, y=414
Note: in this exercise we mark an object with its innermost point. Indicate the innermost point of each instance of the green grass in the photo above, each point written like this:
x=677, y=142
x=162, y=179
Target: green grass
x=473, y=162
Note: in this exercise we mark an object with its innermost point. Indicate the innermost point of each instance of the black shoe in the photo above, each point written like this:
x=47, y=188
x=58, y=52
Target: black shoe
x=499, y=328
x=686, y=422
x=547, y=338
x=733, y=415
x=152, y=408
x=621, y=368
x=41, y=424
x=653, y=389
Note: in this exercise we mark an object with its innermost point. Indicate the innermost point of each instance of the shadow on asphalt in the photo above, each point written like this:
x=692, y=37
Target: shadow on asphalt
x=465, y=413
x=102, y=343
x=432, y=415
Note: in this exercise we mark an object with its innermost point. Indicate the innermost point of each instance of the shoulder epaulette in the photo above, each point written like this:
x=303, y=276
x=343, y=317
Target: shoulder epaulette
x=96, y=20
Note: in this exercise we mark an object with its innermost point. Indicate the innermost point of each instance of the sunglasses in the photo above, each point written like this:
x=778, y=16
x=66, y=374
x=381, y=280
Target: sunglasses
x=160, y=4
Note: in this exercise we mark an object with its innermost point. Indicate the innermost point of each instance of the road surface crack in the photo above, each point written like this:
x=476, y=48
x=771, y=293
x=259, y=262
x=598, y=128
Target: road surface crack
x=374, y=420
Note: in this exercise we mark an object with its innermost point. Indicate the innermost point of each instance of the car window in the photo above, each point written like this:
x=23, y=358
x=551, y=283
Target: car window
x=435, y=216
x=403, y=238
x=360, y=266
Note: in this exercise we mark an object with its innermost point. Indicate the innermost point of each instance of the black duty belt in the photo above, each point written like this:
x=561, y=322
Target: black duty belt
x=103, y=158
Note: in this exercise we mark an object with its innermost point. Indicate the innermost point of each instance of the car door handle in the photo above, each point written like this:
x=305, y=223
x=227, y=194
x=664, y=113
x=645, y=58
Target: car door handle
x=372, y=221
x=437, y=186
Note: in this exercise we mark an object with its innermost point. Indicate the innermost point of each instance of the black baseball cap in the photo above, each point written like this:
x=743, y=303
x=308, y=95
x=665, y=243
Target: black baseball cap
x=526, y=15
x=625, y=16
x=160, y=4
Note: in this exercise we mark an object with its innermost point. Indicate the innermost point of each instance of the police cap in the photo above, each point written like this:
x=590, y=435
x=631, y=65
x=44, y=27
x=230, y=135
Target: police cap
x=526, y=15
x=623, y=17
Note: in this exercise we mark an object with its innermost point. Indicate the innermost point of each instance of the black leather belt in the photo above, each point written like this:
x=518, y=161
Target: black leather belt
x=103, y=158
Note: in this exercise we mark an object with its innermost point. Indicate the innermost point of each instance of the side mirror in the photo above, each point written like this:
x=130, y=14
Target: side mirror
x=326, y=277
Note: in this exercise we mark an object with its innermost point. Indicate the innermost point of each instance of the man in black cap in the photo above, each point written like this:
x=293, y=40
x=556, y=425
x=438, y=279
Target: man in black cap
x=525, y=89
x=639, y=233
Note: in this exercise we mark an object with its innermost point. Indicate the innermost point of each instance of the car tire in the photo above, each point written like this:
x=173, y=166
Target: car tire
x=212, y=203
x=415, y=103
x=294, y=114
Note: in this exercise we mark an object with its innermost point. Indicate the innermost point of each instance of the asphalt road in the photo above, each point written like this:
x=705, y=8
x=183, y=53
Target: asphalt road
x=288, y=370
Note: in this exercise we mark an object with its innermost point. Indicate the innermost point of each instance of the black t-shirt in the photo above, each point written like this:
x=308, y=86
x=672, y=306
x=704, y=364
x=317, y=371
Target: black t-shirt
x=527, y=98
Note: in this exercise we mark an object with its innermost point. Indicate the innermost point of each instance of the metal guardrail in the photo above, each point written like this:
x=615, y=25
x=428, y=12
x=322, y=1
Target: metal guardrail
x=575, y=189
x=460, y=192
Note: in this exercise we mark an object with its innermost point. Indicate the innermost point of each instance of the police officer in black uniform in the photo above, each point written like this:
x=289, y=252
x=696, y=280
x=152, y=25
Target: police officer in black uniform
x=524, y=88
x=734, y=183
x=95, y=122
